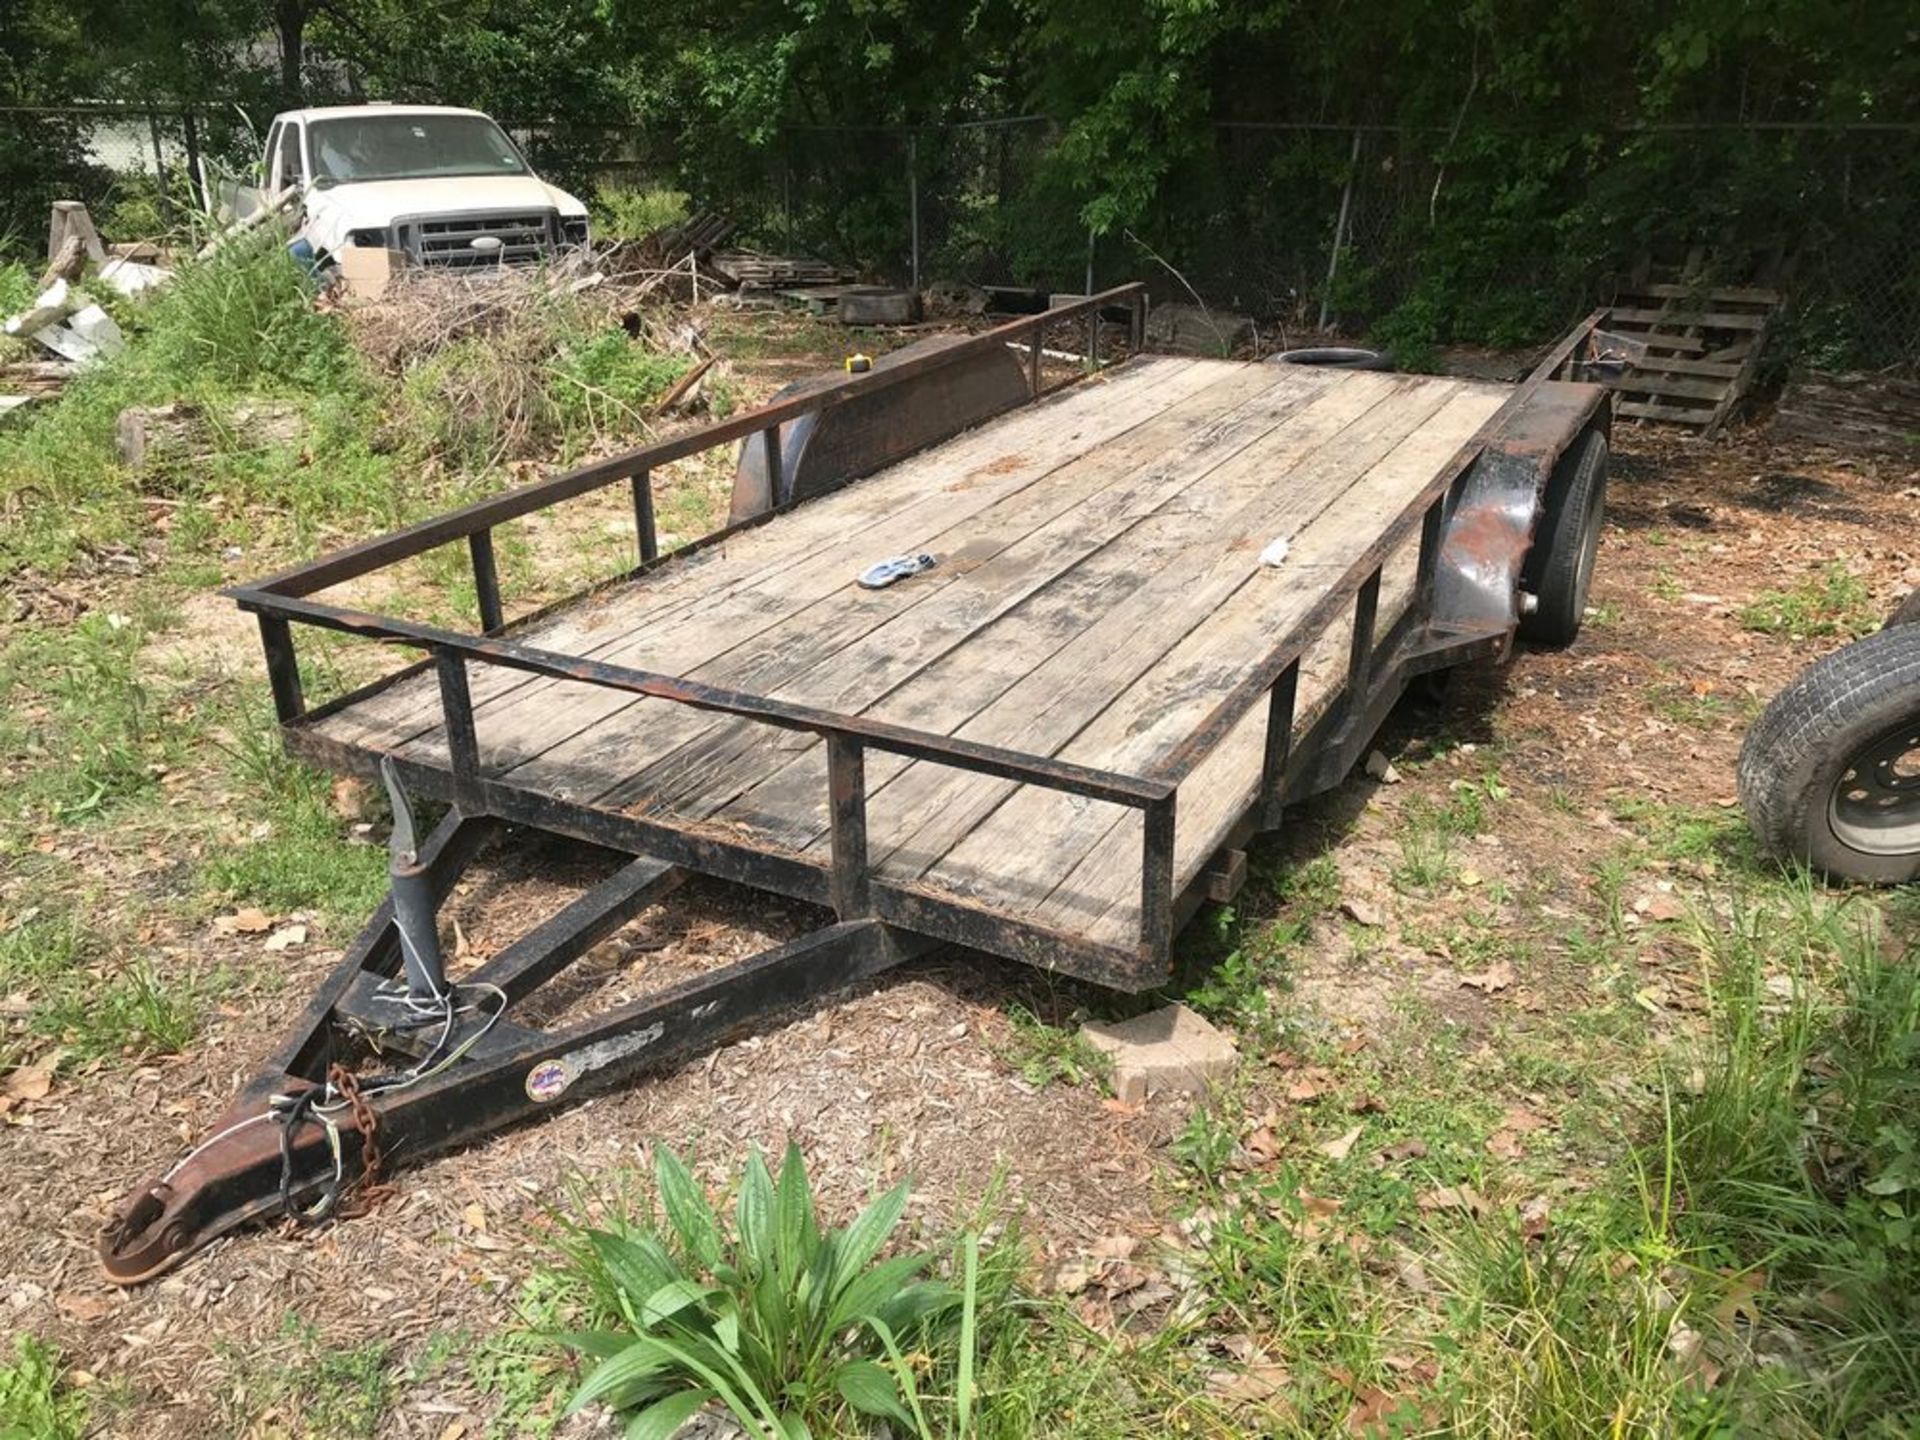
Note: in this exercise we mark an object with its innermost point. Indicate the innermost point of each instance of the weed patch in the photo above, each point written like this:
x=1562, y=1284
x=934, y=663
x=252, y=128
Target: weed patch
x=34, y=1405
x=1833, y=602
x=314, y=1389
x=1043, y=1053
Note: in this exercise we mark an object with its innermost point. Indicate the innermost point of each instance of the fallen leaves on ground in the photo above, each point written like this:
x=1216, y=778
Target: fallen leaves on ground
x=1308, y=1085
x=243, y=922
x=1260, y=1385
x=1497, y=976
x=1453, y=1197
x=1413, y=1148
x=1341, y=1147
x=30, y=1083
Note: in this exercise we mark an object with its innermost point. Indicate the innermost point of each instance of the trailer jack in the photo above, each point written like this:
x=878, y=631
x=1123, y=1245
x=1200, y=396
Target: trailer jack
x=311, y=1127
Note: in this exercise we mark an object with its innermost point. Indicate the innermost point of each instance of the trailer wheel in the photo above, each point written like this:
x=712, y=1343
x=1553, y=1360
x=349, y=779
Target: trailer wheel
x=1830, y=774
x=1559, y=569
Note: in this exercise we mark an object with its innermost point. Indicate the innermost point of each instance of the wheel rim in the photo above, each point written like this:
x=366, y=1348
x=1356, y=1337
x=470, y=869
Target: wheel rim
x=1589, y=551
x=1875, y=807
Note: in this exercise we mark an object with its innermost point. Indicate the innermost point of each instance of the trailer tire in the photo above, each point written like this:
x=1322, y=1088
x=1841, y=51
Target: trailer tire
x=1337, y=357
x=1559, y=569
x=1830, y=773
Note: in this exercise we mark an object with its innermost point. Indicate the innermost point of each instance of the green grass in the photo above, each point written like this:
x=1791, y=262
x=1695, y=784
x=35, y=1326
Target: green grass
x=1044, y=1054
x=34, y=1405
x=1832, y=602
x=621, y=212
x=312, y=1386
x=89, y=990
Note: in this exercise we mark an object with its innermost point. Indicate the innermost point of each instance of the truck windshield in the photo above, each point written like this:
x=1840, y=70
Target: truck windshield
x=409, y=147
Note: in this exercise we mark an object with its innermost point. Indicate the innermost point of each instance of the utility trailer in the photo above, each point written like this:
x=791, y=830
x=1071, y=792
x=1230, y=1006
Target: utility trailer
x=1168, y=597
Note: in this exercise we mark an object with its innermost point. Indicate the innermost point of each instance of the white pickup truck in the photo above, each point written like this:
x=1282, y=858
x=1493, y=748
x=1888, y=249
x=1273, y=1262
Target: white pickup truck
x=441, y=185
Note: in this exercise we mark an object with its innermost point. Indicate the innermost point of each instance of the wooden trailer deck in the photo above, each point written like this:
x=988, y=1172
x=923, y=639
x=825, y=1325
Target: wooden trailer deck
x=1098, y=591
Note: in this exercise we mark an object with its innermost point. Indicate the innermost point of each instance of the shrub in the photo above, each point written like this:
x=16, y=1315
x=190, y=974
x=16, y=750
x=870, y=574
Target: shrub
x=792, y=1328
x=623, y=213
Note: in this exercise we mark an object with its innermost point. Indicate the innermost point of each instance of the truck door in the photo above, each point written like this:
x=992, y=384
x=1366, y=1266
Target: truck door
x=288, y=162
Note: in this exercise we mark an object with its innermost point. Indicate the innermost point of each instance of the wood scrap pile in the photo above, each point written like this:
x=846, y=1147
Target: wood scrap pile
x=1877, y=414
x=63, y=330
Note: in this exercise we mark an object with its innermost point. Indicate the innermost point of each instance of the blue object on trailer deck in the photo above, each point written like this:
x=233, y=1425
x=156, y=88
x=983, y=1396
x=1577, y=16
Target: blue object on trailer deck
x=899, y=567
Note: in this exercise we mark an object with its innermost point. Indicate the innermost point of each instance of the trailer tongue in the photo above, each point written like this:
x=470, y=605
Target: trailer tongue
x=1052, y=744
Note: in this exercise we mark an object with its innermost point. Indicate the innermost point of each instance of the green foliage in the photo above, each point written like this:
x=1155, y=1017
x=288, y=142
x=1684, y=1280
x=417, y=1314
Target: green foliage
x=607, y=381
x=245, y=316
x=317, y=1387
x=1044, y=1053
x=1833, y=602
x=303, y=862
x=621, y=212
x=238, y=325
x=88, y=995
x=792, y=1327
x=33, y=1403
x=1799, y=1151
x=76, y=696
x=18, y=286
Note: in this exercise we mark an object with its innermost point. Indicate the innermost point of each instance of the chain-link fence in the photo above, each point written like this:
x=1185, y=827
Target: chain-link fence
x=1410, y=236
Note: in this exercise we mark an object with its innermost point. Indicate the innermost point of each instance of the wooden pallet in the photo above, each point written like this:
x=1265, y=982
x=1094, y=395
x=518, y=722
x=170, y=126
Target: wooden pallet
x=1703, y=343
x=754, y=271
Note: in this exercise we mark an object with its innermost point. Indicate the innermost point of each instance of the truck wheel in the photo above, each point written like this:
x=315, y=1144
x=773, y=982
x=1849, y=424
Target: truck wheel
x=1831, y=772
x=1559, y=569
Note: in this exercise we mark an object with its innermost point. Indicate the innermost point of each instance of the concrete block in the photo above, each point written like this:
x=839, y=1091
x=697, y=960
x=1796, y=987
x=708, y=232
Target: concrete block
x=878, y=307
x=1166, y=1049
x=1189, y=330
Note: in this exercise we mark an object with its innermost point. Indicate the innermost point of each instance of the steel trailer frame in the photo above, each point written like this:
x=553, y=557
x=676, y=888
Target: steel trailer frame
x=509, y=1072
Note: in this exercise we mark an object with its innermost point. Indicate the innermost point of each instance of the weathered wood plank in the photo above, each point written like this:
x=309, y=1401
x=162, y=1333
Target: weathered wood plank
x=1036, y=676
x=1733, y=295
x=722, y=643
x=972, y=472
x=1160, y=710
x=1879, y=414
x=1225, y=784
x=1641, y=382
x=728, y=756
x=1704, y=319
x=1644, y=410
x=1680, y=365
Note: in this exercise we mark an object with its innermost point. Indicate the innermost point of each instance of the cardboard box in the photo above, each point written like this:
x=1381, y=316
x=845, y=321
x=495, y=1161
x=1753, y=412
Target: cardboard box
x=367, y=270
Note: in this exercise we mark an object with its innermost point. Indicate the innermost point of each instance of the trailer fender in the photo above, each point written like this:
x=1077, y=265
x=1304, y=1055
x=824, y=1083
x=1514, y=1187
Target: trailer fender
x=1490, y=522
x=827, y=448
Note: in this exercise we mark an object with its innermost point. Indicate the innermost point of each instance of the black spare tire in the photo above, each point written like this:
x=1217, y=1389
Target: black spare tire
x=1830, y=773
x=1337, y=356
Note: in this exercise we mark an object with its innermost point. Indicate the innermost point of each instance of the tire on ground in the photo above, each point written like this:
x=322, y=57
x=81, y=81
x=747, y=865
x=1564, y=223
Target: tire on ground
x=1801, y=767
x=1338, y=357
x=1559, y=568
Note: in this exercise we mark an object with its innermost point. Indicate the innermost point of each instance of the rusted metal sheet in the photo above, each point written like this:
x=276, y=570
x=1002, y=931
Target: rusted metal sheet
x=1490, y=524
x=825, y=449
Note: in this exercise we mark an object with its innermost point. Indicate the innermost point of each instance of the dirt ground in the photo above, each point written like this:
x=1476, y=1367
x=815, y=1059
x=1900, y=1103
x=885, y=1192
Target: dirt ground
x=911, y=1075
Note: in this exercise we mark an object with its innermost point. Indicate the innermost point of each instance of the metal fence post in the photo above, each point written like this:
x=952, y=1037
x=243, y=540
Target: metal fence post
x=1340, y=228
x=913, y=200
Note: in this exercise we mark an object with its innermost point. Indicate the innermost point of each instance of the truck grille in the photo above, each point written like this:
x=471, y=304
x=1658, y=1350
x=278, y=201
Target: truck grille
x=525, y=236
